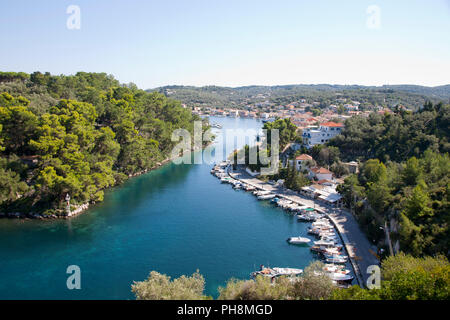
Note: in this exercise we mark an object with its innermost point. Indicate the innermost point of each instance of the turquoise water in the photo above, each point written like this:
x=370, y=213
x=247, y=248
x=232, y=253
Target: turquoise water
x=174, y=220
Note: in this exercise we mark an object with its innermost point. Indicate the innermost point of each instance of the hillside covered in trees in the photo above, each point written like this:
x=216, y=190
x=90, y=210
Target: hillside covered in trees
x=403, y=177
x=412, y=96
x=79, y=135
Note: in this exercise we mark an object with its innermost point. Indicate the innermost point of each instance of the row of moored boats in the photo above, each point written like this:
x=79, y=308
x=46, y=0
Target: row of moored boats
x=327, y=243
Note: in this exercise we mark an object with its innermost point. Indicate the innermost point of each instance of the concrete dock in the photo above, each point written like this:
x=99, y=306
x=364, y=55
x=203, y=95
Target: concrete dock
x=360, y=251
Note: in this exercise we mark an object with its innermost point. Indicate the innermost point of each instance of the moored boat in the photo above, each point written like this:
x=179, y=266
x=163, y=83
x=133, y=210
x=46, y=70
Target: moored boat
x=298, y=240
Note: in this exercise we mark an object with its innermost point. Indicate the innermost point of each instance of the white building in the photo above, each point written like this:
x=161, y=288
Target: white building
x=321, y=173
x=302, y=161
x=319, y=135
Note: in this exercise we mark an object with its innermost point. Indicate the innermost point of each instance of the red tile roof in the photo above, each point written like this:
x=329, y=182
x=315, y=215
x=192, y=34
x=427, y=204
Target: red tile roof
x=331, y=124
x=303, y=157
x=320, y=170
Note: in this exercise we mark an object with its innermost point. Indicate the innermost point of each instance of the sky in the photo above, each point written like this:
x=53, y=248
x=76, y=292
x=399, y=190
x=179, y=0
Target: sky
x=231, y=43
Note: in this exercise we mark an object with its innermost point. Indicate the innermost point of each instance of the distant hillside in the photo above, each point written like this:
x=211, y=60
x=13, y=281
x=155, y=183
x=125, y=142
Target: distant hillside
x=411, y=96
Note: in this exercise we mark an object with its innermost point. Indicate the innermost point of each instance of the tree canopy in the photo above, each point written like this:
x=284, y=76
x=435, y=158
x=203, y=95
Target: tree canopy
x=79, y=135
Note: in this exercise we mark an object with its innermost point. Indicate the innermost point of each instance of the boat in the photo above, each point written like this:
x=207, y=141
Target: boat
x=298, y=240
x=266, y=196
x=338, y=277
x=249, y=187
x=216, y=125
x=336, y=259
x=276, y=272
x=333, y=238
x=288, y=271
x=262, y=193
x=306, y=217
x=275, y=200
x=324, y=243
x=335, y=251
x=334, y=268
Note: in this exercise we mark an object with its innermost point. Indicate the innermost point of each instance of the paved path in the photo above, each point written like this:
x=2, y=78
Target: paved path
x=359, y=249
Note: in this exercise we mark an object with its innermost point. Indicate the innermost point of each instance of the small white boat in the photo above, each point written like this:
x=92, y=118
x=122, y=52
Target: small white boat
x=336, y=259
x=288, y=271
x=276, y=272
x=334, y=268
x=336, y=276
x=325, y=243
x=266, y=197
x=298, y=240
x=262, y=193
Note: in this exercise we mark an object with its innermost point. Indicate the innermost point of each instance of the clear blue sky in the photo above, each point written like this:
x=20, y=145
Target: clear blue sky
x=212, y=42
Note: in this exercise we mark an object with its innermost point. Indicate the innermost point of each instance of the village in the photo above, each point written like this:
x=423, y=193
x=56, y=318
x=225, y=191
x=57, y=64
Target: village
x=303, y=113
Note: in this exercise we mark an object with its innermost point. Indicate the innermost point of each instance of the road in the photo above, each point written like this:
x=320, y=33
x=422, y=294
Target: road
x=359, y=249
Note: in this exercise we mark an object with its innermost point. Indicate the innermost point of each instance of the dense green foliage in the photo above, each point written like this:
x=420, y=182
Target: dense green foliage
x=403, y=278
x=313, y=284
x=161, y=287
x=397, y=136
x=294, y=180
x=415, y=193
x=287, y=132
x=405, y=176
x=79, y=135
x=406, y=278
x=240, y=97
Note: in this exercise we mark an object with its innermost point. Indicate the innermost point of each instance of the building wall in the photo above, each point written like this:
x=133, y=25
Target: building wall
x=314, y=136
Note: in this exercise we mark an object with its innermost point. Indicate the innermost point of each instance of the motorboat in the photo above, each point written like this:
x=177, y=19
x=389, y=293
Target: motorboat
x=336, y=276
x=333, y=268
x=262, y=193
x=298, y=240
x=324, y=243
x=249, y=188
x=336, y=259
x=304, y=217
x=275, y=200
x=288, y=271
x=266, y=196
x=276, y=272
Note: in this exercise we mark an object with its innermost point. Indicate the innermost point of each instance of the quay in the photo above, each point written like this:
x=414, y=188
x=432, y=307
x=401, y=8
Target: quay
x=359, y=250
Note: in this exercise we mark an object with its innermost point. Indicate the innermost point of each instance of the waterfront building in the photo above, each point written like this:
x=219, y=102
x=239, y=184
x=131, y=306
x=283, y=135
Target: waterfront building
x=302, y=162
x=321, y=173
x=318, y=135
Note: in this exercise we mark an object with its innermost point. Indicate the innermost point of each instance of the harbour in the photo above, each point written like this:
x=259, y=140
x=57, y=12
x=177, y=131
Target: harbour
x=174, y=220
x=328, y=247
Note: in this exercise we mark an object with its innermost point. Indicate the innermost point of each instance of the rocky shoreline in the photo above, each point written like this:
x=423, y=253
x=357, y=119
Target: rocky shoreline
x=32, y=215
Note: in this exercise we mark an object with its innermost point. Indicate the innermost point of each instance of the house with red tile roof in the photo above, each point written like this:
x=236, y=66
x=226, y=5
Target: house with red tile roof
x=303, y=161
x=321, y=173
